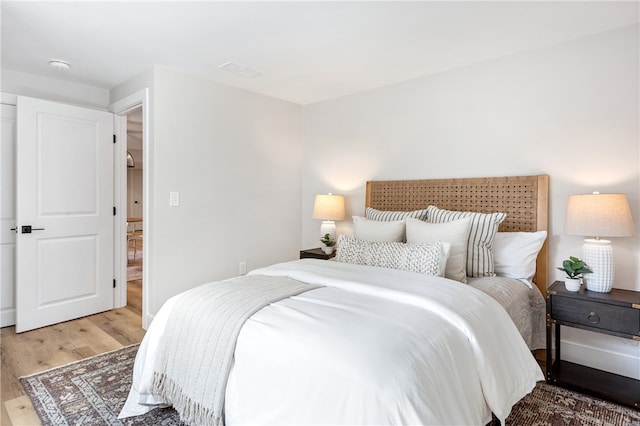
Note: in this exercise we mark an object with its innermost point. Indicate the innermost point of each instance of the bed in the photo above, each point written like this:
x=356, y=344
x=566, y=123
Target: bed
x=349, y=343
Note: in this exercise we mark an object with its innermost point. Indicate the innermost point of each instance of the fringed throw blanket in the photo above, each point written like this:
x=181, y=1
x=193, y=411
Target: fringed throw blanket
x=219, y=309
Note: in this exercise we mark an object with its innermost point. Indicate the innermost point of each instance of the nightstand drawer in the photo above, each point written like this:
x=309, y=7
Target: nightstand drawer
x=597, y=315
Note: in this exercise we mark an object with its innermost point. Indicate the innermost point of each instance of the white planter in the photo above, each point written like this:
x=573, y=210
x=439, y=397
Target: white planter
x=572, y=284
x=327, y=250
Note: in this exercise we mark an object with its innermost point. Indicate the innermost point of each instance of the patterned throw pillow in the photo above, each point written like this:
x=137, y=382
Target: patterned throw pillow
x=424, y=258
x=481, y=235
x=388, y=216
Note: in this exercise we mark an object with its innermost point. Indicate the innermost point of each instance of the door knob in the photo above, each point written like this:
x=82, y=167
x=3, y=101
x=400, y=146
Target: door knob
x=26, y=229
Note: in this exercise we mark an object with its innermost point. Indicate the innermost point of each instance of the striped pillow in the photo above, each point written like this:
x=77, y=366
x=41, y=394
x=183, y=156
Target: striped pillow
x=389, y=216
x=423, y=258
x=481, y=235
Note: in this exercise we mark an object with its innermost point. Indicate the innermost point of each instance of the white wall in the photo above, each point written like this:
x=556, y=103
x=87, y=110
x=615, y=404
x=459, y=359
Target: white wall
x=35, y=86
x=570, y=110
x=235, y=158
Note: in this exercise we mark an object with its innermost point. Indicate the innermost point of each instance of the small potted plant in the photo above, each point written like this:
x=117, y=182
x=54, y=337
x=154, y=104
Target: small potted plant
x=329, y=243
x=574, y=268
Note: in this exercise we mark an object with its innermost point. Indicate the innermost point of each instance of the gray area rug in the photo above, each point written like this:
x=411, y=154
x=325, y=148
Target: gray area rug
x=92, y=392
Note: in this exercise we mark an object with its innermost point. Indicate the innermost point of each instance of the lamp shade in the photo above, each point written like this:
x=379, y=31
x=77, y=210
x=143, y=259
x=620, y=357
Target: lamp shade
x=599, y=215
x=328, y=207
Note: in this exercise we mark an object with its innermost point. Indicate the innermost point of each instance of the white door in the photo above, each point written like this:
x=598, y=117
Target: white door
x=64, y=174
x=7, y=217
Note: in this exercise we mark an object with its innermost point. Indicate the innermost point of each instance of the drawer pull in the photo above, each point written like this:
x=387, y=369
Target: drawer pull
x=593, y=318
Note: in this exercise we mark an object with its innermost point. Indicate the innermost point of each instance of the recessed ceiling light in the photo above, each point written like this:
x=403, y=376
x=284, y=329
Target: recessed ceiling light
x=240, y=70
x=58, y=64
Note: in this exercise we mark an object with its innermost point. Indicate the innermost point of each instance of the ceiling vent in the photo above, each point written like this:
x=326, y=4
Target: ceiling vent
x=240, y=70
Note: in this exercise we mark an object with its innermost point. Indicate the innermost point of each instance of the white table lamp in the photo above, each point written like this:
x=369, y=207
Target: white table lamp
x=598, y=215
x=328, y=208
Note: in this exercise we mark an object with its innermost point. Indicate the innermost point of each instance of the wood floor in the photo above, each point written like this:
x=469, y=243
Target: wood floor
x=39, y=350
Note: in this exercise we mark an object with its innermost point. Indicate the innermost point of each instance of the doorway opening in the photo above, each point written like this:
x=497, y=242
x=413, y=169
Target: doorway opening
x=133, y=108
x=134, y=211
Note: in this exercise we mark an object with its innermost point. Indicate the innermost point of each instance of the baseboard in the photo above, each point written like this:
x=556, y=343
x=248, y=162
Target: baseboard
x=607, y=359
x=7, y=317
x=147, y=323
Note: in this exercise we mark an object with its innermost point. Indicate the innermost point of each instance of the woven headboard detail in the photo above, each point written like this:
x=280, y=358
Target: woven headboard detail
x=525, y=199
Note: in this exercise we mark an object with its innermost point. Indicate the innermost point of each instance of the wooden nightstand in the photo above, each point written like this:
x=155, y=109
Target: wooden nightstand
x=315, y=253
x=616, y=313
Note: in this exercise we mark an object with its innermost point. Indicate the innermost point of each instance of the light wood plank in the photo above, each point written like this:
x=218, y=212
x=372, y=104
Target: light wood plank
x=20, y=411
x=134, y=300
x=56, y=345
x=122, y=325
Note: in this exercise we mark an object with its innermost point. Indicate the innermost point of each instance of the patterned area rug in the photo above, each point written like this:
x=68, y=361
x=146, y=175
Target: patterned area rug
x=549, y=405
x=92, y=392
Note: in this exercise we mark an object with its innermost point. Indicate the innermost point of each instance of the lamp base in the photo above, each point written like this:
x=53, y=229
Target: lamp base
x=598, y=255
x=328, y=227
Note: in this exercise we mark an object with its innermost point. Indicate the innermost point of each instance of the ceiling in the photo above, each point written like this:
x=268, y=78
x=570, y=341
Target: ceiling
x=307, y=51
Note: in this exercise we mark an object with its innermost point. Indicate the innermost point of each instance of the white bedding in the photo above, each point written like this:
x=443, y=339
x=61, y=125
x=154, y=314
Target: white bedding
x=374, y=346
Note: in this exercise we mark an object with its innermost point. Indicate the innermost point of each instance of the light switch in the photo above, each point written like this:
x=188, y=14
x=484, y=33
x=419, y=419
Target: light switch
x=174, y=199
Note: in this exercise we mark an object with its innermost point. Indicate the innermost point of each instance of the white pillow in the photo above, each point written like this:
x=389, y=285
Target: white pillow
x=481, y=235
x=455, y=232
x=423, y=258
x=389, y=215
x=373, y=230
x=515, y=254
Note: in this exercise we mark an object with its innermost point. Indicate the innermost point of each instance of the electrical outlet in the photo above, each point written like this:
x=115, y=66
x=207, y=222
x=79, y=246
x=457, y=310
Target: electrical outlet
x=242, y=268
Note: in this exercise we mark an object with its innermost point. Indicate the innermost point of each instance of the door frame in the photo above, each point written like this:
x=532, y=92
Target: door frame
x=120, y=108
x=8, y=315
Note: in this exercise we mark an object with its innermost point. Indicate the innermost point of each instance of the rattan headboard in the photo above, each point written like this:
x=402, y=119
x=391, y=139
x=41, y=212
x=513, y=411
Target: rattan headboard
x=525, y=199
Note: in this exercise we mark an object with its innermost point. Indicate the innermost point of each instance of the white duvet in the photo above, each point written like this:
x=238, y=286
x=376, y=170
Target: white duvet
x=374, y=346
